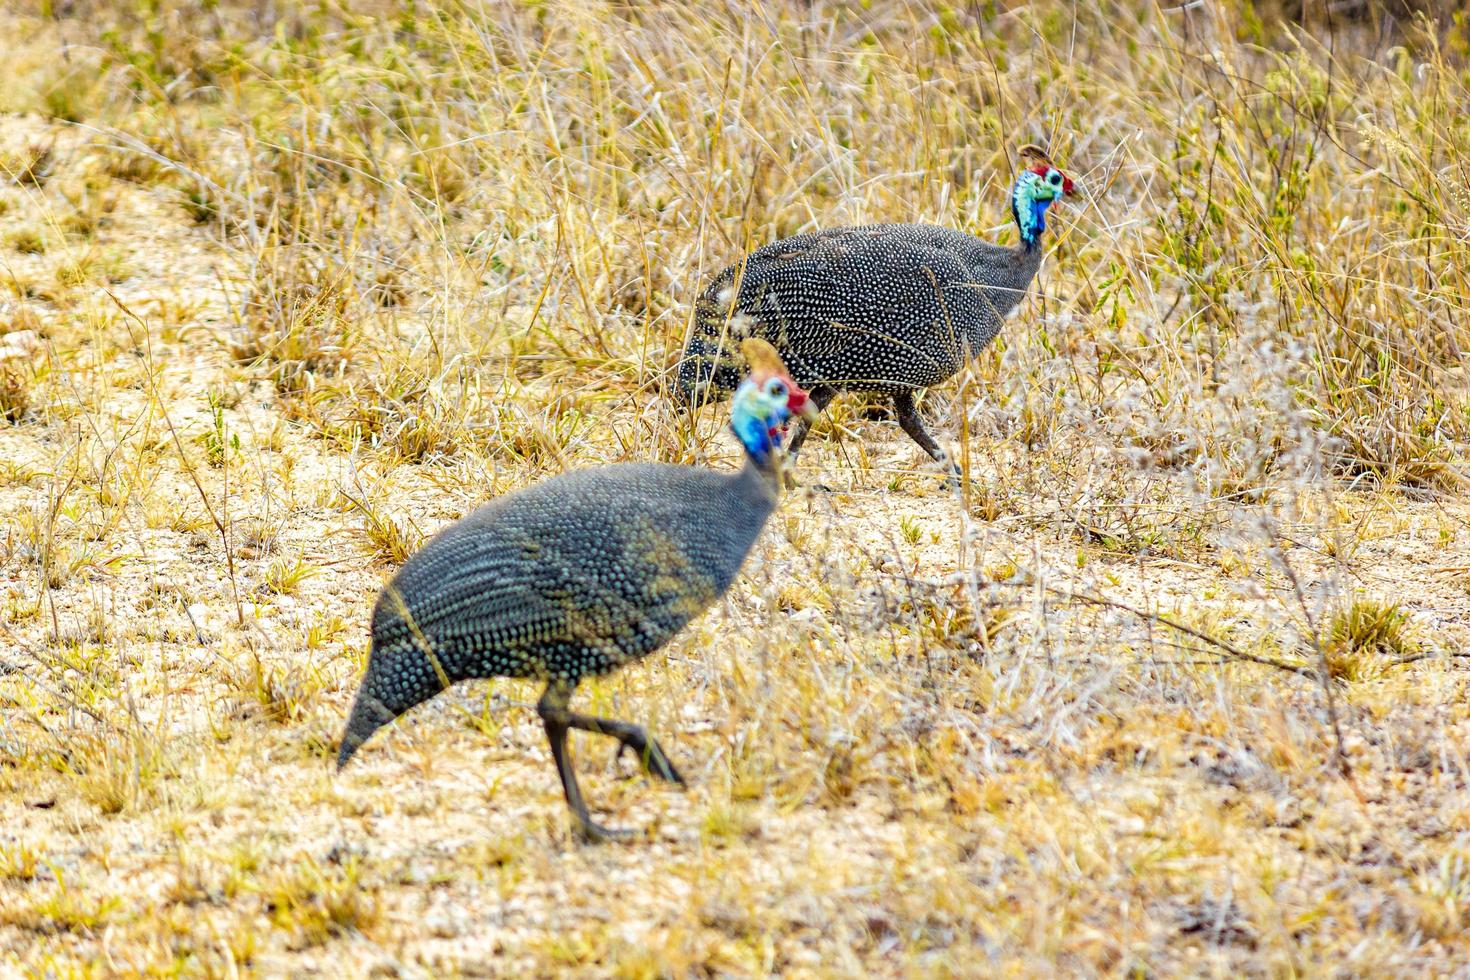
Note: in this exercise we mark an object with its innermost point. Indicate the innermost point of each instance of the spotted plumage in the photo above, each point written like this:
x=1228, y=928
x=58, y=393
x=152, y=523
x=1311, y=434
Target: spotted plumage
x=893, y=308
x=573, y=578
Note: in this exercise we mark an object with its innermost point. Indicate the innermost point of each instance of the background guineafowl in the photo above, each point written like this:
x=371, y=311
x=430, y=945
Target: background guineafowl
x=575, y=577
x=887, y=308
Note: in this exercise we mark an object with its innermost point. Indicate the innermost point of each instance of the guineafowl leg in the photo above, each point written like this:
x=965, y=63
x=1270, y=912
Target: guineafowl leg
x=554, y=715
x=908, y=418
x=649, y=754
x=820, y=396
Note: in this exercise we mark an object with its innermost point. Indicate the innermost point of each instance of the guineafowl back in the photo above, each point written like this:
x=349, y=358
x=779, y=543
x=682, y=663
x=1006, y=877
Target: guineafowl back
x=876, y=307
x=572, y=577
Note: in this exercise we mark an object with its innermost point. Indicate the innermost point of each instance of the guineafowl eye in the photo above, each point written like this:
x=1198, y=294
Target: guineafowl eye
x=1054, y=178
x=776, y=388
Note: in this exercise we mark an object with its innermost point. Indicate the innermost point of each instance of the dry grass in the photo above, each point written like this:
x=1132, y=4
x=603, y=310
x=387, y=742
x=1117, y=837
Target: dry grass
x=1172, y=687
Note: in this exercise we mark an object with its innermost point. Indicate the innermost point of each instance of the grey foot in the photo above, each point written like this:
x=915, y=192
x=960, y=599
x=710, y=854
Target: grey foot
x=591, y=832
x=651, y=757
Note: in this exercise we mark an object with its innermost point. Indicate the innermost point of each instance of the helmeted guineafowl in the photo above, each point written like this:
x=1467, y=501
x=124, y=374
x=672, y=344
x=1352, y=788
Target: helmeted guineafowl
x=575, y=577
x=888, y=308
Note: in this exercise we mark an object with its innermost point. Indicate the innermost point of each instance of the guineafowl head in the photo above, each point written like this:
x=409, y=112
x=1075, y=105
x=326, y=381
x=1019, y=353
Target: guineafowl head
x=706, y=372
x=402, y=671
x=1037, y=186
x=764, y=402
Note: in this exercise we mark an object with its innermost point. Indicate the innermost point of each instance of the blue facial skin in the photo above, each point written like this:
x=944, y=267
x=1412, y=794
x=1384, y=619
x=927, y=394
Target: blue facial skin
x=754, y=415
x=1030, y=198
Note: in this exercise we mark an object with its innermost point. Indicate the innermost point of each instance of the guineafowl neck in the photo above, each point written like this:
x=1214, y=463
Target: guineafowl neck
x=1016, y=274
x=1026, y=261
x=760, y=482
x=1005, y=273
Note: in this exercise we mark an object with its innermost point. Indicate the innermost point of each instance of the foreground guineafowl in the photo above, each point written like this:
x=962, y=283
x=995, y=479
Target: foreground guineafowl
x=886, y=308
x=575, y=577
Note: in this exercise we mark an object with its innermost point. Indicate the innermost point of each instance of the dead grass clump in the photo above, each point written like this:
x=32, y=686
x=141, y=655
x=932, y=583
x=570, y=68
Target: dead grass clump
x=955, y=618
x=386, y=536
x=1366, y=636
x=1372, y=624
x=92, y=268
x=316, y=904
x=19, y=863
x=61, y=911
x=294, y=317
x=28, y=241
x=92, y=203
x=15, y=392
x=403, y=413
x=282, y=693
x=127, y=164
x=31, y=165
x=122, y=772
x=284, y=575
x=256, y=536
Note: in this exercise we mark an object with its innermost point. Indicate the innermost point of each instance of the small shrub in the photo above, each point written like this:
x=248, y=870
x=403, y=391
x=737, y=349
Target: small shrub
x=1362, y=634
x=31, y=166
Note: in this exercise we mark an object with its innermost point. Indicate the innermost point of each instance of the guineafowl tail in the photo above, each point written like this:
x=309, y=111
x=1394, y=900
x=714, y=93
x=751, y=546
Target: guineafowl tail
x=707, y=372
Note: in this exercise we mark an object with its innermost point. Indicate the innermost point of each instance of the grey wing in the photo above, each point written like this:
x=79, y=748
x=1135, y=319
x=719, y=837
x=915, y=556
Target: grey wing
x=658, y=585
x=480, y=611
x=570, y=609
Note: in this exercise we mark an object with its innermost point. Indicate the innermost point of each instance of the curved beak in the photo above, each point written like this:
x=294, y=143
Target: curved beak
x=799, y=404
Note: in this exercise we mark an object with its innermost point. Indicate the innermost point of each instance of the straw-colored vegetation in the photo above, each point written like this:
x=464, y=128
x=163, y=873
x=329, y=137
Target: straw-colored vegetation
x=1172, y=686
